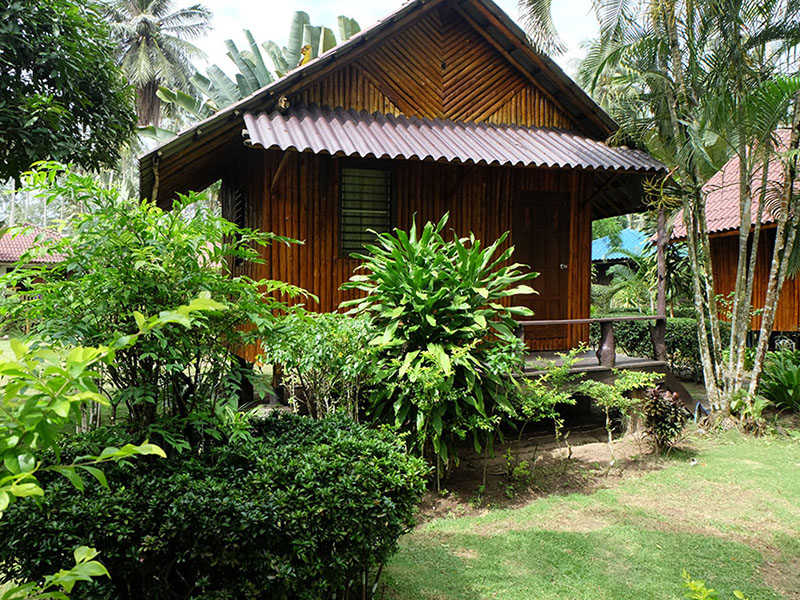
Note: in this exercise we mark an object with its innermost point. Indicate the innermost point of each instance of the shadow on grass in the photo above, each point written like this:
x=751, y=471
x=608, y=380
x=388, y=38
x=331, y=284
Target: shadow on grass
x=621, y=560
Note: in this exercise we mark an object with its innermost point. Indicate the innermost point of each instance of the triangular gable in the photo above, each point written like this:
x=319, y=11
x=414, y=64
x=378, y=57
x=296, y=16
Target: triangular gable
x=441, y=67
x=454, y=59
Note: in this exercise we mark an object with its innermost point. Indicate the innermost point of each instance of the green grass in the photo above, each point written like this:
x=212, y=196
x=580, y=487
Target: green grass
x=732, y=520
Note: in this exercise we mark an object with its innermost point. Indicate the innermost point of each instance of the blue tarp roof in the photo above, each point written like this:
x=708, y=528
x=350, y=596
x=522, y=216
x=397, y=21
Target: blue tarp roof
x=631, y=240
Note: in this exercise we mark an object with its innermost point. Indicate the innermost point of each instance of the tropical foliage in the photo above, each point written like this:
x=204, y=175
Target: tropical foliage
x=325, y=360
x=780, y=383
x=297, y=509
x=447, y=357
x=696, y=83
x=154, y=48
x=634, y=283
x=43, y=391
x=61, y=95
x=215, y=90
x=126, y=256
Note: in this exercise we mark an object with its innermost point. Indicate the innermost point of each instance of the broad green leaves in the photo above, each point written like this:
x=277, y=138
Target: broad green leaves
x=447, y=356
x=42, y=391
x=124, y=259
x=84, y=570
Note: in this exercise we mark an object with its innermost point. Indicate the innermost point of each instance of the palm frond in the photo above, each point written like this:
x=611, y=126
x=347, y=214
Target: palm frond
x=537, y=18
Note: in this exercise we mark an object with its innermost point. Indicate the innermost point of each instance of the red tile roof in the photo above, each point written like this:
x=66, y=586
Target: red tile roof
x=722, y=200
x=24, y=237
x=351, y=133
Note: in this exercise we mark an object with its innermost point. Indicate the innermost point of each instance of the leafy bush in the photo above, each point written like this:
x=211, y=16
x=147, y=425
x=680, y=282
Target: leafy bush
x=446, y=353
x=665, y=416
x=303, y=509
x=42, y=392
x=683, y=349
x=326, y=360
x=126, y=256
x=617, y=396
x=780, y=380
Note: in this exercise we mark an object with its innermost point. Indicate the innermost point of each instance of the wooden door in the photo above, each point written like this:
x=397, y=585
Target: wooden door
x=540, y=233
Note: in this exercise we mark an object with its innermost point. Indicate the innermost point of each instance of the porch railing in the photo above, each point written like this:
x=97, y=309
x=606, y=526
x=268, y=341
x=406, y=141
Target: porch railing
x=607, y=351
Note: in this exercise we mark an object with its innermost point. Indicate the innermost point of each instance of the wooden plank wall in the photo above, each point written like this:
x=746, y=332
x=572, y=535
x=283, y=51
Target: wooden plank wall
x=440, y=67
x=724, y=257
x=305, y=201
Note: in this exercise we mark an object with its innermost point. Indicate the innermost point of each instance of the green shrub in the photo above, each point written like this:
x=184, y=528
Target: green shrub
x=301, y=510
x=326, y=360
x=780, y=380
x=683, y=349
x=446, y=352
x=125, y=256
x=665, y=417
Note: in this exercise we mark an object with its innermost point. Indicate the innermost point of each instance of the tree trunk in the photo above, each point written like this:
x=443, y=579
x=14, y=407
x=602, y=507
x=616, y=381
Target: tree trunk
x=12, y=211
x=659, y=330
x=780, y=253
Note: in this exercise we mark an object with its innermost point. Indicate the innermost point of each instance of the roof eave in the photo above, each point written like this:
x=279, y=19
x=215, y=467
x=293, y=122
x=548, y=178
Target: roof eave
x=270, y=93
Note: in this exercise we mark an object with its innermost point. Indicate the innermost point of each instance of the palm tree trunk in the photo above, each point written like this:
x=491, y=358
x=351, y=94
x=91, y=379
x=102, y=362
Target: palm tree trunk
x=780, y=253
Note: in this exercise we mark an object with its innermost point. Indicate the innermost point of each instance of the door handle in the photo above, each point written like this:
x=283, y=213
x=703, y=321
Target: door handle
x=563, y=266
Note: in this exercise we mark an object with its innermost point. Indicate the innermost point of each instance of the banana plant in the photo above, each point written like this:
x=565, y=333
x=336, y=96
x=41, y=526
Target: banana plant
x=215, y=90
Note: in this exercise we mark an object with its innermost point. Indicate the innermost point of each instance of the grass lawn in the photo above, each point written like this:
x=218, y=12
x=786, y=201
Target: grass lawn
x=732, y=520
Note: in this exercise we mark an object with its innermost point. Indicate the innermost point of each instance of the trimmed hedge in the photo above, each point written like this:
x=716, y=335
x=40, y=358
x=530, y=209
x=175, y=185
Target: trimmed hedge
x=303, y=510
x=683, y=349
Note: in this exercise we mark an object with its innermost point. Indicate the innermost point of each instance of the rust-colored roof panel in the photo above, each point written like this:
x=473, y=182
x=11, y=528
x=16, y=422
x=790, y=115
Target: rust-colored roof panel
x=21, y=239
x=351, y=133
x=722, y=195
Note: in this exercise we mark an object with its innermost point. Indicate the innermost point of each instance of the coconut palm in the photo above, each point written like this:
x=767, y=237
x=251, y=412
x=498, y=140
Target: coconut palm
x=155, y=48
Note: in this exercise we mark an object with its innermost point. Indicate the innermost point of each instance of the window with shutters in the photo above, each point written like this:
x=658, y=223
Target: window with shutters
x=365, y=206
x=237, y=205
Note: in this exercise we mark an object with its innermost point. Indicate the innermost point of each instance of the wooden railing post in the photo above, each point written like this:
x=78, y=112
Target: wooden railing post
x=607, y=352
x=658, y=335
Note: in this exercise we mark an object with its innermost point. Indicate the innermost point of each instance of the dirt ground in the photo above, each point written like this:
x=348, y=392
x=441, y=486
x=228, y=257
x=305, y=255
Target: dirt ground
x=539, y=465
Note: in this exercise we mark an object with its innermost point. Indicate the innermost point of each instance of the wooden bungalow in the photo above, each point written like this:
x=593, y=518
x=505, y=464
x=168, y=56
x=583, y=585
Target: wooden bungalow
x=722, y=215
x=443, y=105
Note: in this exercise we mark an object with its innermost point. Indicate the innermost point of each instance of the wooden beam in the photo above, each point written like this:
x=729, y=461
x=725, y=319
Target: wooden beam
x=604, y=188
x=607, y=352
x=278, y=172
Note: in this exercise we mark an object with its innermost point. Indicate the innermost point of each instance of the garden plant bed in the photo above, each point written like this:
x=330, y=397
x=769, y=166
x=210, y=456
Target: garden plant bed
x=732, y=519
x=555, y=467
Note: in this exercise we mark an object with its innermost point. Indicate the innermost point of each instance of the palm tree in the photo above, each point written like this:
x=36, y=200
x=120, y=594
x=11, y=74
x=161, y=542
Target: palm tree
x=154, y=47
x=697, y=82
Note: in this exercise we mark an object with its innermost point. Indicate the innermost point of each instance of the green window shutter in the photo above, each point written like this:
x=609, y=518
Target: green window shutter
x=365, y=204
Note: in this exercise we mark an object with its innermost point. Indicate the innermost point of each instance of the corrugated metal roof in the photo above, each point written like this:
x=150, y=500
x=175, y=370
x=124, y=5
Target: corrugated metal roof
x=630, y=240
x=21, y=239
x=351, y=133
x=585, y=111
x=722, y=195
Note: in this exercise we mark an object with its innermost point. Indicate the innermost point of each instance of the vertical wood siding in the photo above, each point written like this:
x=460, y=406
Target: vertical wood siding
x=724, y=257
x=440, y=67
x=304, y=205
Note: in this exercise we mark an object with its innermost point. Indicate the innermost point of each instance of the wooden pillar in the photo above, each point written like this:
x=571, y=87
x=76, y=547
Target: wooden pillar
x=607, y=352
